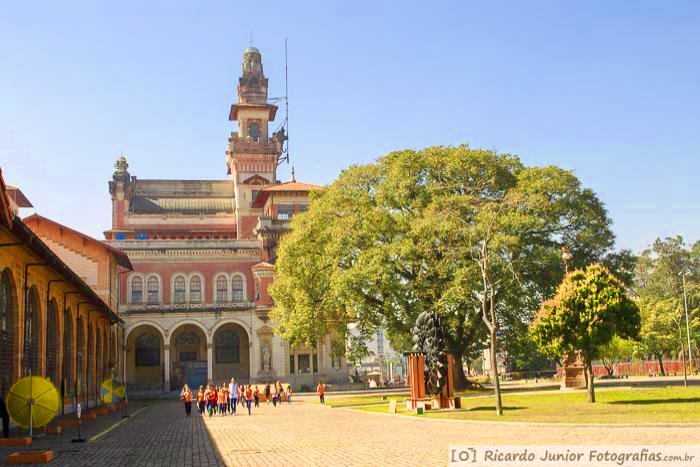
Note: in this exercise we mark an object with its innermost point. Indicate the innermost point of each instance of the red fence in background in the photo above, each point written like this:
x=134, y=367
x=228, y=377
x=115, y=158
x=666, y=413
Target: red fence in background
x=640, y=368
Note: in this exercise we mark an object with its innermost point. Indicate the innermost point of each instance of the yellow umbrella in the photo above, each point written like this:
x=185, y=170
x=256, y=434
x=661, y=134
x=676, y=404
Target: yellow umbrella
x=36, y=396
x=112, y=391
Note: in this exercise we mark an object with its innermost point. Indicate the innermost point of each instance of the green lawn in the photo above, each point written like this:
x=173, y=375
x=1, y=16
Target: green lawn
x=371, y=399
x=658, y=405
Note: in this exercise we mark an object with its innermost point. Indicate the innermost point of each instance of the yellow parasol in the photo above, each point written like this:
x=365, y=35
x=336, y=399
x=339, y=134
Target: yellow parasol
x=112, y=391
x=33, y=401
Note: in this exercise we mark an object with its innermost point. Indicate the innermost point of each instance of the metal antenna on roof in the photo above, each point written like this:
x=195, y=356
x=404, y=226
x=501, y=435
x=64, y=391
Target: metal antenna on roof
x=284, y=128
x=286, y=98
x=293, y=177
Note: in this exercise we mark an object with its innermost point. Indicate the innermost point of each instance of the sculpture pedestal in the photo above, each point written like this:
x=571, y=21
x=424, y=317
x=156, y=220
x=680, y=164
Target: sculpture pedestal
x=573, y=375
x=416, y=380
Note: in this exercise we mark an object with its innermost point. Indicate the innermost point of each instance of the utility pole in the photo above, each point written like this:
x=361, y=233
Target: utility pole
x=687, y=322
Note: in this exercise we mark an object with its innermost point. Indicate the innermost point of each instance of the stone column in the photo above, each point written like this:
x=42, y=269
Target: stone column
x=210, y=361
x=166, y=362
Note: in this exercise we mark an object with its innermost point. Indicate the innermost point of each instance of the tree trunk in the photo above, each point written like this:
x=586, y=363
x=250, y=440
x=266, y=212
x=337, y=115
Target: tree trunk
x=494, y=374
x=660, y=359
x=591, y=388
x=461, y=381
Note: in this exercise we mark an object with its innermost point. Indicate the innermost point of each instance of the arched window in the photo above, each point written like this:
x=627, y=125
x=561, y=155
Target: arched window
x=254, y=131
x=98, y=356
x=147, y=350
x=195, y=289
x=136, y=290
x=237, y=286
x=153, y=289
x=31, y=333
x=67, y=350
x=90, y=359
x=7, y=313
x=52, y=342
x=221, y=289
x=187, y=338
x=228, y=347
x=80, y=348
x=179, y=290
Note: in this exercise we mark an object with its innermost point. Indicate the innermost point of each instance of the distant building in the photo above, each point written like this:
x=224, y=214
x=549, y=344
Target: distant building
x=382, y=358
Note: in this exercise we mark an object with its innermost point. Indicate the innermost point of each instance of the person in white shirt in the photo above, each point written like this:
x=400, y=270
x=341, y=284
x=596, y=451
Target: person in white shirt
x=233, y=395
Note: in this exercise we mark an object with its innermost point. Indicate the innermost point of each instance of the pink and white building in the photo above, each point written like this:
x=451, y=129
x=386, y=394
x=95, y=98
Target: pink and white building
x=196, y=304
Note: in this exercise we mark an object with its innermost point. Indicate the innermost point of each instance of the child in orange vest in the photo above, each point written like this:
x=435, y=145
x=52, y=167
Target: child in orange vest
x=200, y=400
x=211, y=397
x=248, y=397
x=256, y=396
x=222, y=401
x=186, y=396
x=321, y=391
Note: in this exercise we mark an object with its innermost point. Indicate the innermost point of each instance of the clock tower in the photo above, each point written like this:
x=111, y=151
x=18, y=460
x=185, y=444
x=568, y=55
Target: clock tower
x=253, y=153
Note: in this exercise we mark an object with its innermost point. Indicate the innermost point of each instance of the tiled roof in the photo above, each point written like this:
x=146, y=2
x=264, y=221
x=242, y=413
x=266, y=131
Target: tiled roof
x=291, y=186
x=263, y=266
x=189, y=205
x=120, y=257
x=19, y=198
x=182, y=196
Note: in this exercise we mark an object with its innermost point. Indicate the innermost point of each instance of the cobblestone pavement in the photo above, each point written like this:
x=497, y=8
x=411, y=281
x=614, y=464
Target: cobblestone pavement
x=311, y=435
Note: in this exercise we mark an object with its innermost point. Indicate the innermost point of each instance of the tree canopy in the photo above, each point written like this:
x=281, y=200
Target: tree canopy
x=452, y=230
x=658, y=285
x=589, y=309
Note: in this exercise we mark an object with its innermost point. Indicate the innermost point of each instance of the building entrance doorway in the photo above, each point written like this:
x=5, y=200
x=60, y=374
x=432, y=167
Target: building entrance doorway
x=189, y=362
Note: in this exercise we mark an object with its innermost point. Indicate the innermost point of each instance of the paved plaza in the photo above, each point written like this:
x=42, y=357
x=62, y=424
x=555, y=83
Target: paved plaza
x=307, y=434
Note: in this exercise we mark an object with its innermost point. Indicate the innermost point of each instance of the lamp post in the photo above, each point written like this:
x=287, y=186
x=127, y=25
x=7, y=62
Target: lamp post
x=684, y=273
x=566, y=256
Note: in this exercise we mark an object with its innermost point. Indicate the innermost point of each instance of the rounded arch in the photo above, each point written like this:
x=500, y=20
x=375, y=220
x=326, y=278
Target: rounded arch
x=8, y=321
x=146, y=322
x=52, y=343
x=238, y=287
x=67, y=367
x=80, y=353
x=32, y=324
x=145, y=342
x=188, y=355
x=99, y=356
x=254, y=130
x=106, y=349
x=237, y=321
x=90, y=360
x=172, y=330
x=231, y=351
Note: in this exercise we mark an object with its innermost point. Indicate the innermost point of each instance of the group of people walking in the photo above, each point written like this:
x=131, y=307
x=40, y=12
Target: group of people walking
x=224, y=399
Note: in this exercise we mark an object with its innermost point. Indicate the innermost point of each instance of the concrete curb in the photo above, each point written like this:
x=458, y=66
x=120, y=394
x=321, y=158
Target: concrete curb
x=532, y=424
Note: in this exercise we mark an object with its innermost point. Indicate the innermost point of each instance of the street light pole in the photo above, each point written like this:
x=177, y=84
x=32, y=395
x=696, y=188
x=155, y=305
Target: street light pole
x=687, y=322
x=566, y=256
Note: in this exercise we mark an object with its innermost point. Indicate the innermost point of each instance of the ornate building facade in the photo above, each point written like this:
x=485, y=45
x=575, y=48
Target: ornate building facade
x=196, y=305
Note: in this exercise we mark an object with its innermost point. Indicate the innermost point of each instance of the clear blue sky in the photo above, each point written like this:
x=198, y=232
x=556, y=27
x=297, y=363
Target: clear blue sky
x=610, y=90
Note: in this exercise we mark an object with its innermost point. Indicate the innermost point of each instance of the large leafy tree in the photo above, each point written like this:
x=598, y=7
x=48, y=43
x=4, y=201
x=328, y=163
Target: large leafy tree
x=589, y=309
x=660, y=273
x=472, y=235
